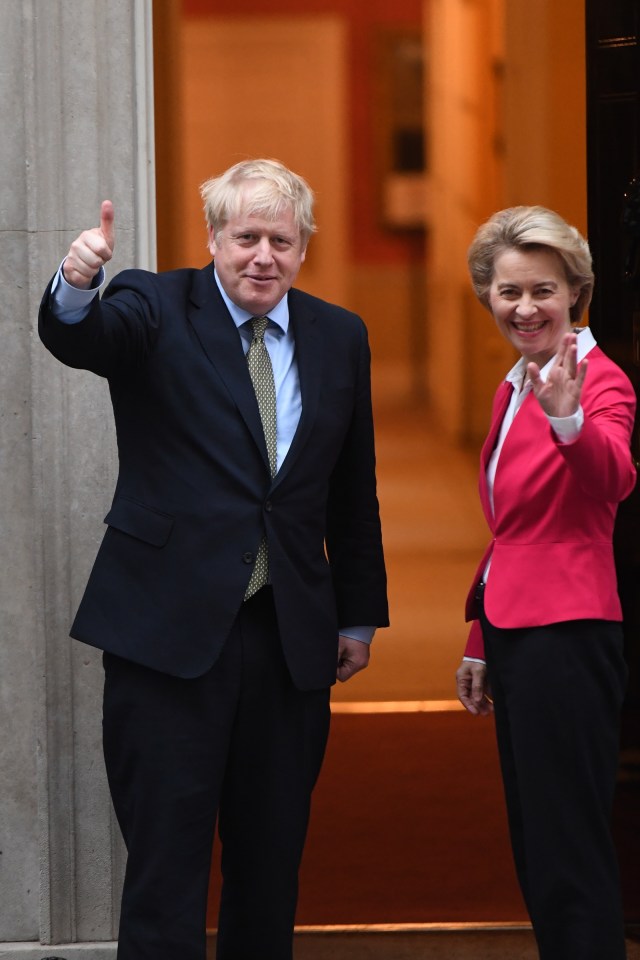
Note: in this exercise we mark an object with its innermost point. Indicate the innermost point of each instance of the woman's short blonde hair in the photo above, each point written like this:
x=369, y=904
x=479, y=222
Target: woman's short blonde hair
x=531, y=228
x=279, y=188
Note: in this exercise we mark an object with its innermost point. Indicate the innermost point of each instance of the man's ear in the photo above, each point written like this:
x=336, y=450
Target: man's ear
x=212, y=241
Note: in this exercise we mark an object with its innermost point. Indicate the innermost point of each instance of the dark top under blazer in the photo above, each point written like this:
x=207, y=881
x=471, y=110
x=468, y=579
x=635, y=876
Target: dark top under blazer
x=194, y=495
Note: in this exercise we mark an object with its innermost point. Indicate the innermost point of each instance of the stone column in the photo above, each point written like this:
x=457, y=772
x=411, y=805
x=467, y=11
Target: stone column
x=76, y=110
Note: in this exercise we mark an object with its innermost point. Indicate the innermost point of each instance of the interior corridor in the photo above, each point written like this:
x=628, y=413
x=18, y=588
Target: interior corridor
x=434, y=534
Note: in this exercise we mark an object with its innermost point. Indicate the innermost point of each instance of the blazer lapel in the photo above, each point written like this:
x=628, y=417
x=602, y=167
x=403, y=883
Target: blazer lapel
x=310, y=359
x=500, y=404
x=219, y=338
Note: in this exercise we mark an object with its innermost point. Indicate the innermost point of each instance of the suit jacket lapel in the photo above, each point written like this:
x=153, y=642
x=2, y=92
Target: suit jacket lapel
x=220, y=340
x=309, y=357
x=500, y=404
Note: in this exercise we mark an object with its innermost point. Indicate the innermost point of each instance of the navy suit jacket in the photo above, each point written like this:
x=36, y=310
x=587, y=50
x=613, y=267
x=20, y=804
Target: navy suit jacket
x=194, y=495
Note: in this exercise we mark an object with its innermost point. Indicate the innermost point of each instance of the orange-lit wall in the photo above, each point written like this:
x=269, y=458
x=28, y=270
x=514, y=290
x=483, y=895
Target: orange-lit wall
x=370, y=242
x=504, y=125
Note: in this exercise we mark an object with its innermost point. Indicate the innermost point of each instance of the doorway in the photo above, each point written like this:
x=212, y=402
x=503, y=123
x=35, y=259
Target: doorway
x=398, y=735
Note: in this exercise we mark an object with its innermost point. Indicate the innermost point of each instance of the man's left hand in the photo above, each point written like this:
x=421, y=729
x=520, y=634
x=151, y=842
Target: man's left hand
x=353, y=655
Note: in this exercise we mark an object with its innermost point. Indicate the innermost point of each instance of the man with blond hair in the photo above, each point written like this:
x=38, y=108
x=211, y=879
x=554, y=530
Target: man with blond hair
x=241, y=571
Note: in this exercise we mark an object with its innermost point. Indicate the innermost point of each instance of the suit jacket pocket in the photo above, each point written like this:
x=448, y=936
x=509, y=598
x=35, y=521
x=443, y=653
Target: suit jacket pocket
x=139, y=521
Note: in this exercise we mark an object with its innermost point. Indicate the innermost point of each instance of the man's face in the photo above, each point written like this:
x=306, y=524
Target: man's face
x=257, y=260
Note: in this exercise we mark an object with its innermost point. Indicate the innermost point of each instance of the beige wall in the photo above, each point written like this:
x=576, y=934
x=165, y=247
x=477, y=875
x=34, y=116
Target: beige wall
x=506, y=124
x=507, y=117
x=545, y=106
x=392, y=300
x=218, y=97
x=465, y=45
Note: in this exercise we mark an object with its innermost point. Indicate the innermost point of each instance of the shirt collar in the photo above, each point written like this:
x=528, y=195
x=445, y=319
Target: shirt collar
x=586, y=342
x=278, y=315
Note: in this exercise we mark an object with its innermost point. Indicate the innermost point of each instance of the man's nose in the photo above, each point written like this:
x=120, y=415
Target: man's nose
x=263, y=251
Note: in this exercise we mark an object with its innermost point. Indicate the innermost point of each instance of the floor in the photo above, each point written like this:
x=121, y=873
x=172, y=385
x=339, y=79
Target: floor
x=417, y=945
x=434, y=535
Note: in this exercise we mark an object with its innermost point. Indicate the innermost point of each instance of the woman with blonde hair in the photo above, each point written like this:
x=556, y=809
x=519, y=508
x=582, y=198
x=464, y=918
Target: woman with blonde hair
x=545, y=648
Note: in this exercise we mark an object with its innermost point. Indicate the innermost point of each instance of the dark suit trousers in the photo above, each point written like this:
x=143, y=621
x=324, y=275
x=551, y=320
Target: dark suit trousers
x=240, y=743
x=557, y=693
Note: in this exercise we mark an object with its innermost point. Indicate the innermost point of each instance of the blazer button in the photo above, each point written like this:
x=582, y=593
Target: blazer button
x=268, y=506
x=247, y=557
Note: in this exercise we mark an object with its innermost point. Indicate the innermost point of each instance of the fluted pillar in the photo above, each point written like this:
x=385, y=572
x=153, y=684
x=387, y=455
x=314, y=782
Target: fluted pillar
x=76, y=105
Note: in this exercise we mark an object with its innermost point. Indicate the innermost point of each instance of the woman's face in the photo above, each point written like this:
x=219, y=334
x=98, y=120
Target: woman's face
x=530, y=299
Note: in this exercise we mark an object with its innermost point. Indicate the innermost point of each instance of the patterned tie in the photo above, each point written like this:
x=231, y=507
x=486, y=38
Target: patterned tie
x=261, y=373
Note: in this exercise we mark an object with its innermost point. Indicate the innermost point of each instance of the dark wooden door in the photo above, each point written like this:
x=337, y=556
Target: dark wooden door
x=613, y=178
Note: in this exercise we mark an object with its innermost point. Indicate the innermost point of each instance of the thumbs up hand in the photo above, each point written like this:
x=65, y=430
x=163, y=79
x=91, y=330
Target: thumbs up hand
x=91, y=250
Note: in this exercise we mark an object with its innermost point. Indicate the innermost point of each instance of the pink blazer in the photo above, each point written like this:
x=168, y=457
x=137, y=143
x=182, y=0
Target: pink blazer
x=555, y=506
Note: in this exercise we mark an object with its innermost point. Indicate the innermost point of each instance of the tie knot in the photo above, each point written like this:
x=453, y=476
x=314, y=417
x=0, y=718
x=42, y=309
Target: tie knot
x=259, y=325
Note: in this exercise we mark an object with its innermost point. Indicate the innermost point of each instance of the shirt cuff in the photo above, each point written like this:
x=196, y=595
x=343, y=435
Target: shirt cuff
x=474, y=660
x=363, y=634
x=71, y=304
x=567, y=429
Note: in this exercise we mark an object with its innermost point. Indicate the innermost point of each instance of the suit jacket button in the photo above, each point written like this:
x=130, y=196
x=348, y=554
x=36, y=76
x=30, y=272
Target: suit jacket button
x=268, y=506
x=247, y=557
